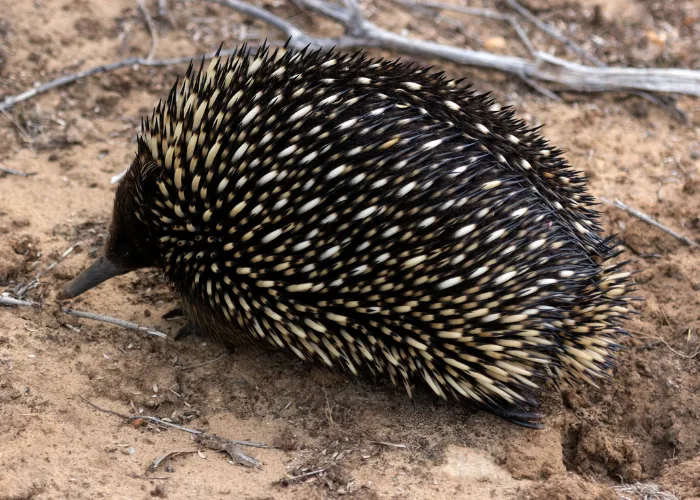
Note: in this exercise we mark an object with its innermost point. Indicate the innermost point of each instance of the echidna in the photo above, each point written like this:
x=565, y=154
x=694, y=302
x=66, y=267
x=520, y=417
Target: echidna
x=371, y=215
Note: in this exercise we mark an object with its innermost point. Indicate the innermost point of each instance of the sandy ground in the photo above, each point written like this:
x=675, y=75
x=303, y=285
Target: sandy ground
x=645, y=426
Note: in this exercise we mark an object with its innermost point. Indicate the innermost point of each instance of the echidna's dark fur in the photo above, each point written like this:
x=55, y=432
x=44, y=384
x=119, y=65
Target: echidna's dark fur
x=368, y=214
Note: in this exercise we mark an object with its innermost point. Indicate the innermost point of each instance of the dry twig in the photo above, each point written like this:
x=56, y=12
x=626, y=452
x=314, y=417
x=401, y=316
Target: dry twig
x=664, y=103
x=210, y=362
x=391, y=445
x=473, y=11
x=296, y=479
x=647, y=491
x=545, y=28
x=360, y=33
x=12, y=171
x=659, y=341
x=159, y=460
x=549, y=68
x=151, y=29
x=9, y=301
x=11, y=101
x=649, y=220
x=23, y=288
x=114, y=321
x=211, y=441
x=195, y=431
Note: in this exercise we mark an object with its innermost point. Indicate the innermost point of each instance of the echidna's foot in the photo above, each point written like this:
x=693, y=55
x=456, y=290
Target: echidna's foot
x=522, y=418
x=186, y=331
x=176, y=313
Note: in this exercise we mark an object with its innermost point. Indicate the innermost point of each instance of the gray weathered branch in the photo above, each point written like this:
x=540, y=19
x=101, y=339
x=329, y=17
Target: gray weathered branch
x=359, y=32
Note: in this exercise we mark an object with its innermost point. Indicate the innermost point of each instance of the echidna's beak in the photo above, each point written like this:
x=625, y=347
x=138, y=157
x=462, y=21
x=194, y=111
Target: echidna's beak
x=100, y=271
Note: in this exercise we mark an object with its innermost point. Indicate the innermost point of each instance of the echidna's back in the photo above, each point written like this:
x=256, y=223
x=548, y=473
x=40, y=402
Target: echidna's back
x=366, y=214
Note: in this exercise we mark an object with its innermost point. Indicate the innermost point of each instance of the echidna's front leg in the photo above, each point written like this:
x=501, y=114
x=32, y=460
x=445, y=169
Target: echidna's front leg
x=188, y=329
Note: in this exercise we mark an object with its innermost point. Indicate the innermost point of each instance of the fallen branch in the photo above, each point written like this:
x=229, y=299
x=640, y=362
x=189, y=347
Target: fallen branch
x=205, y=363
x=659, y=341
x=391, y=445
x=21, y=290
x=151, y=29
x=296, y=479
x=545, y=28
x=665, y=102
x=577, y=77
x=12, y=171
x=159, y=460
x=196, y=432
x=361, y=33
x=210, y=441
x=648, y=491
x=649, y=220
x=114, y=321
x=9, y=301
x=11, y=101
x=474, y=11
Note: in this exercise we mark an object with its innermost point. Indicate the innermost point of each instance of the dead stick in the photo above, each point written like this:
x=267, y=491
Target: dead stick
x=650, y=220
x=196, y=432
x=576, y=48
x=12, y=171
x=300, y=476
x=103, y=410
x=114, y=321
x=211, y=361
x=9, y=301
x=577, y=77
x=168, y=424
x=392, y=445
x=11, y=101
x=478, y=12
x=151, y=29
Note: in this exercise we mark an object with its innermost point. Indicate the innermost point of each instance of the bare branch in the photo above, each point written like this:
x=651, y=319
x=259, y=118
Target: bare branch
x=12, y=171
x=539, y=88
x=9, y=301
x=649, y=220
x=364, y=34
x=205, y=363
x=163, y=8
x=391, y=445
x=151, y=29
x=211, y=441
x=285, y=27
x=473, y=11
x=544, y=27
x=11, y=101
x=576, y=76
x=114, y=321
x=511, y=19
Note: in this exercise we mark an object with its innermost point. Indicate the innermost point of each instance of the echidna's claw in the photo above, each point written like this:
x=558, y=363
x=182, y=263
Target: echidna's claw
x=177, y=313
x=186, y=331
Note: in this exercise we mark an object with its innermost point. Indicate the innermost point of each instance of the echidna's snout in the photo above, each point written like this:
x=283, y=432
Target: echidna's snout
x=100, y=271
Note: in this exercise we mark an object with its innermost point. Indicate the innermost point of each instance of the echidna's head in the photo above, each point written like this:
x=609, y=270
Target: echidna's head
x=130, y=244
